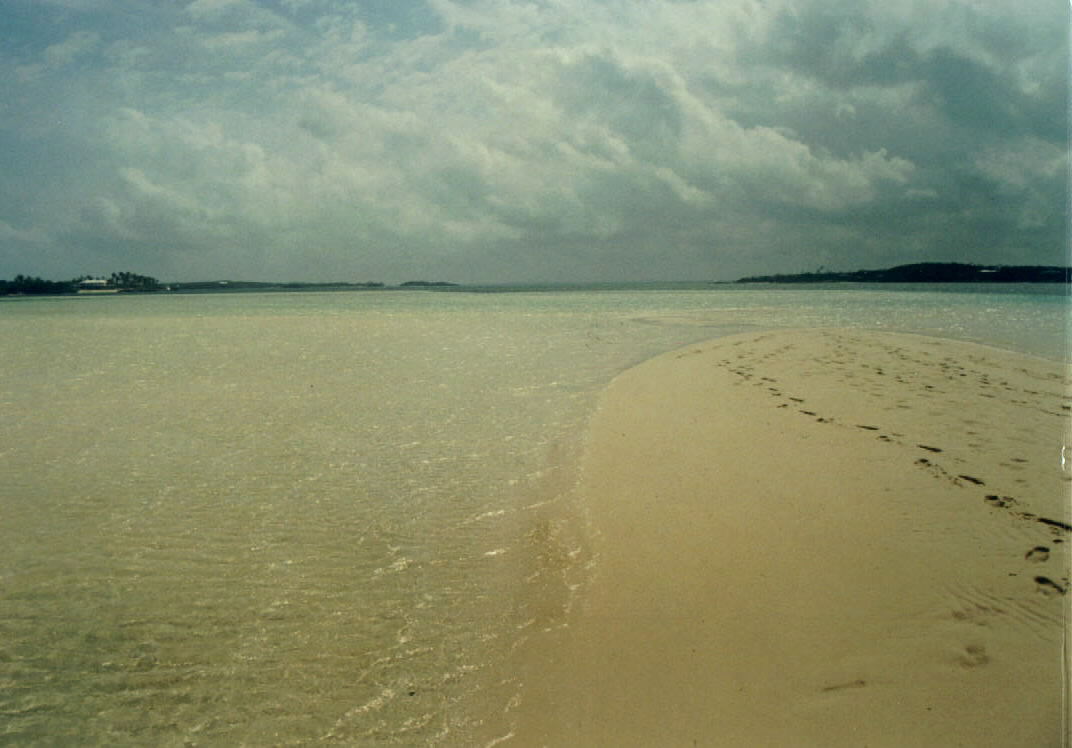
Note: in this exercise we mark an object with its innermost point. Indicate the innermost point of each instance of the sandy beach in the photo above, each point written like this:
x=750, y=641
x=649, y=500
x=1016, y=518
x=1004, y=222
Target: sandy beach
x=818, y=538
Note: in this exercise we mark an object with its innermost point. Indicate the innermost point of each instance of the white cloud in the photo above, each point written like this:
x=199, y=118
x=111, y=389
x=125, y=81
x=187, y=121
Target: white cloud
x=542, y=124
x=202, y=9
x=9, y=233
x=76, y=45
x=1022, y=164
x=504, y=141
x=240, y=39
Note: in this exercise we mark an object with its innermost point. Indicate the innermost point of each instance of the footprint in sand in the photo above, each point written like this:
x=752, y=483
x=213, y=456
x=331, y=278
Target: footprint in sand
x=861, y=683
x=974, y=656
x=1038, y=554
x=1054, y=523
x=1000, y=501
x=1049, y=587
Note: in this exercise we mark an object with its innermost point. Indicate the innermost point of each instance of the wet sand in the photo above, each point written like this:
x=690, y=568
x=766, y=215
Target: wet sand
x=818, y=538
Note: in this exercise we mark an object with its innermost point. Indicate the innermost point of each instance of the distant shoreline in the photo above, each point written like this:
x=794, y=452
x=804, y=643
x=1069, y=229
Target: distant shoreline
x=930, y=272
x=933, y=273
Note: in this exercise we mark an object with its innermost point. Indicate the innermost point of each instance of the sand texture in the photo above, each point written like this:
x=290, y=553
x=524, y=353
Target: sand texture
x=818, y=538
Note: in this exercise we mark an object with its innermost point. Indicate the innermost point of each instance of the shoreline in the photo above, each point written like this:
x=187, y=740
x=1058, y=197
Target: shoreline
x=817, y=537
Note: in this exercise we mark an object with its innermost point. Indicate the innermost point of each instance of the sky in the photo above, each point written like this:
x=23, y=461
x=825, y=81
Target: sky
x=491, y=141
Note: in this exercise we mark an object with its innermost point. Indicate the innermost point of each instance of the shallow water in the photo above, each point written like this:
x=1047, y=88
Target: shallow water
x=291, y=518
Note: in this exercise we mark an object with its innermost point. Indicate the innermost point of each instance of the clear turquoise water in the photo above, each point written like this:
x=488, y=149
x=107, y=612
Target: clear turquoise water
x=329, y=517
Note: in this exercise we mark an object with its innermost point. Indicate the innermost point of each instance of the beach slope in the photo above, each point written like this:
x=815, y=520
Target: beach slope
x=818, y=538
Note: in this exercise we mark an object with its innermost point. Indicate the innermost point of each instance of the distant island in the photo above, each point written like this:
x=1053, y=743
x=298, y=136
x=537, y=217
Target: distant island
x=930, y=272
x=126, y=282
x=230, y=285
x=216, y=286
x=24, y=285
x=922, y=272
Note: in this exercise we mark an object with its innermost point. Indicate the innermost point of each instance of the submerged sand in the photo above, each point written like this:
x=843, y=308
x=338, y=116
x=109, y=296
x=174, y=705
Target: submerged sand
x=818, y=538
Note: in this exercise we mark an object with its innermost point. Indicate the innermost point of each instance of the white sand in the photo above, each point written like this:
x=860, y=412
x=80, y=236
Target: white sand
x=795, y=547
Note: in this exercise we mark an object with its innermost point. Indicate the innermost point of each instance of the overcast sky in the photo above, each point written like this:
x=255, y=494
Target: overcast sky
x=503, y=140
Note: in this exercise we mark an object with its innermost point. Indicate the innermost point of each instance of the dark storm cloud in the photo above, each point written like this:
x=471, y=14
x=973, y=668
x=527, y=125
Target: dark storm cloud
x=501, y=140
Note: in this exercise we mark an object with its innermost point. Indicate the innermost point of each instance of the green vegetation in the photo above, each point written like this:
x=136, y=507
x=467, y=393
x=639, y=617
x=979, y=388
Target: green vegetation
x=33, y=286
x=133, y=282
x=930, y=272
x=427, y=284
x=127, y=282
x=230, y=286
x=24, y=284
x=924, y=272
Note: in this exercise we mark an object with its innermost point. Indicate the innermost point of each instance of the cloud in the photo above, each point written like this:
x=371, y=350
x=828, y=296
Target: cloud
x=214, y=9
x=9, y=233
x=554, y=139
x=240, y=40
x=76, y=45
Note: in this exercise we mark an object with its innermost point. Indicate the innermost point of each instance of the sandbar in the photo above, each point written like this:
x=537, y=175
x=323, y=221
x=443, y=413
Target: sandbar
x=817, y=538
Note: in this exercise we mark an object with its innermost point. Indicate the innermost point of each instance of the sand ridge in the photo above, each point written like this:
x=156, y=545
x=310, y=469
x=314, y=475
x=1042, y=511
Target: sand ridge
x=819, y=537
x=1007, y=415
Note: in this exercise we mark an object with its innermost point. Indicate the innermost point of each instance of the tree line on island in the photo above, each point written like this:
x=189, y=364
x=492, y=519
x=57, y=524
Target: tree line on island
x=929, y=272
x=121, y=281
x=923, y=272
x=127, y=282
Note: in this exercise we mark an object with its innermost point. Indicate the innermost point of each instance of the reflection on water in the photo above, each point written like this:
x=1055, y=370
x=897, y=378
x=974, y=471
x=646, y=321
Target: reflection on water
x=294, y=518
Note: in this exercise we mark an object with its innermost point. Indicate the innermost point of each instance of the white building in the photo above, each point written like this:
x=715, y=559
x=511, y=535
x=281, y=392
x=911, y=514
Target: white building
x=95, y=285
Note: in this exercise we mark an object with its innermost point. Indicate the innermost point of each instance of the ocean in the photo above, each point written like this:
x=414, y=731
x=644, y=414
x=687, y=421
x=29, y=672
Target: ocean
x=294, y=518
